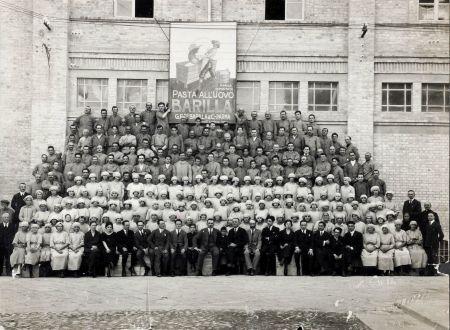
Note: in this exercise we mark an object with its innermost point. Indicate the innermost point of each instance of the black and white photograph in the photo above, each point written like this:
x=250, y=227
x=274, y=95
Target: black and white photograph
x=224, y=164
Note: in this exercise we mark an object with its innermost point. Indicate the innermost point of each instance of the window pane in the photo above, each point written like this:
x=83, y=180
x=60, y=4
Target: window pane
x=162, y=91
x=294, y=9
x=443, y=11
x=275, y=9
x=124, y=8
x=323, y=96
x=93, y=93
x=131, y=92
x=144, y=8
x=436, y=97
x=384, y=97
x=396, y=97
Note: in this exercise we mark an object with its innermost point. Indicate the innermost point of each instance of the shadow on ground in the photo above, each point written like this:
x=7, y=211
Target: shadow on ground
x=185, y=319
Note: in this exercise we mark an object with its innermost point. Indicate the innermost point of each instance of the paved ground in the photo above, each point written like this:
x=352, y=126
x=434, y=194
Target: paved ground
x=370, y=299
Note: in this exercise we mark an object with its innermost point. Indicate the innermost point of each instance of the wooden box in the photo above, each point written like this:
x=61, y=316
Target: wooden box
x=188, y=72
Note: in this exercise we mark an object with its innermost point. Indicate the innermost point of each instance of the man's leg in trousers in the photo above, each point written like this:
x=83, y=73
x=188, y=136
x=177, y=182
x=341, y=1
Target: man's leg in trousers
x=157, y=262
x=2, y=258
x=124, y=261
x=165, y=262
x=133, y=259
x=256, y=257
x=297, y=262
x=248, y=261
x=215, y=258
x=201, y=258
x=182, y=270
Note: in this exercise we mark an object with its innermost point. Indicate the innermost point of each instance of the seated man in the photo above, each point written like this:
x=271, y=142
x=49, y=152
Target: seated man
x=353, y=242
x=206, y=241
x=337, y=252
x=321, y=249
x=237, y=239
x=303, y=253
x=269, y=243
x=126, y=247
x=92, y=252
x=141, y=244
x=253, y=248
x=159, y=242
x=178, y=247
x=192, y=253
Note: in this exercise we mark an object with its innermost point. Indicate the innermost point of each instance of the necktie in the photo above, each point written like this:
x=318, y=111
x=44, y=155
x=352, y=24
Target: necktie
x=178, y=233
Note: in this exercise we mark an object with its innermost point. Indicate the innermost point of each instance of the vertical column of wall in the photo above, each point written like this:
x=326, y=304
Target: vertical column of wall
x=361, y=80
x=49, y=78
x=303, y=98
x=216, y=10
x=15, y=95
x=264, y=98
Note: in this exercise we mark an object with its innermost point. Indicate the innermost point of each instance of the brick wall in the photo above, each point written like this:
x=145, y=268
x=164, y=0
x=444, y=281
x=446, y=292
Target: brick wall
x=361, y=74
x=49, y=79
x=16, y=49
x=415, y=158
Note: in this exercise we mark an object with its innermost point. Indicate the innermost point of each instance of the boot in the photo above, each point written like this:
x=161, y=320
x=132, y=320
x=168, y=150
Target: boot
x=133, y=273
x=285, y=270
x=30, y=269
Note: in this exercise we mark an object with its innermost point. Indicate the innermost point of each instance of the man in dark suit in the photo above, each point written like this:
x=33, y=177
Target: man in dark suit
x=7, y=232
x=253, y=248
x=141, y=244
x=423, y=218
x=92, y=244
x=17, y=202
x=412, y=206
x=237, y=239
x=337, y=252
x=125, y=240
x=303, y=253
x=269, y=247
x=206, y=241
x=178, y=247
x=433, y=236
x=352, y=168
x=159, y=242
x=321, y=247
x=353, y=242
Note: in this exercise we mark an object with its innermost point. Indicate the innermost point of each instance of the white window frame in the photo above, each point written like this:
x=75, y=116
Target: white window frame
x=254, y=89
x=121, y=102
x=286, y=11
x=436, y=4
x=406, y=87
x=426, y=87
x=333, y=85
x=133, y=9
x=294, y=106
x=103, y=84
x=159, y=87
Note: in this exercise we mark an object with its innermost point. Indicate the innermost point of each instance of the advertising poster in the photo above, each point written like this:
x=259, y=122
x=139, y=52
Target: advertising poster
x=202, y=71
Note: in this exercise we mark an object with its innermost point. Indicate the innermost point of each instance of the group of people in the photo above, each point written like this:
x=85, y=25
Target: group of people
x=261, y=196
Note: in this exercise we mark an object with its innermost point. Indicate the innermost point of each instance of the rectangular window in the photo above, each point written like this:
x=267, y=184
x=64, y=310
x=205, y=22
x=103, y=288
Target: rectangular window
x=322, y=96
x=434, y=10
x=283, y=95
x=284, y=9
x=131, y=92
x=162, y=91
x=93, y=93
x=133, y=8
x=396, y=97
x=247, y=95
x=435, y=97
